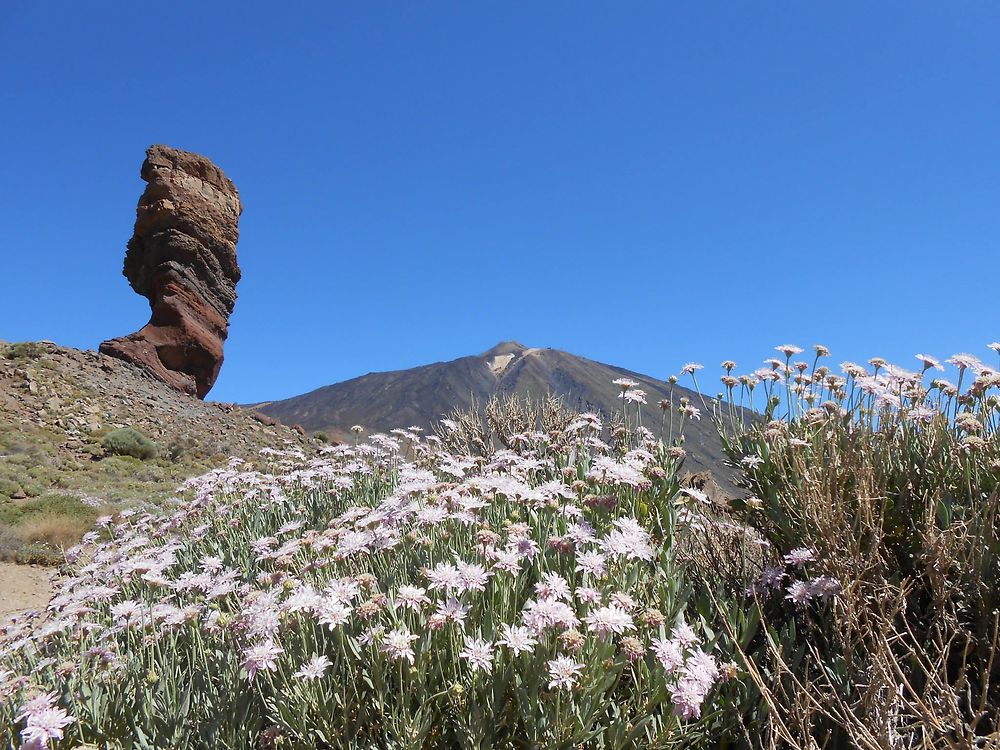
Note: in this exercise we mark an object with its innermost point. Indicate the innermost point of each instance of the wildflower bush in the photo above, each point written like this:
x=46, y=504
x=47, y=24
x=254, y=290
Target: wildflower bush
x=391, y=594
x=875, y=496
x=497, y=585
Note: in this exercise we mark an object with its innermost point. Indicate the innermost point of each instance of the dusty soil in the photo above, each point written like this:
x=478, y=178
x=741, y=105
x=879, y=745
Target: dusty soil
x=23, y=587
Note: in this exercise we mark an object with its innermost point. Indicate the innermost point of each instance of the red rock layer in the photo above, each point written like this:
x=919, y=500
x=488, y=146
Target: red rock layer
x=182, y=258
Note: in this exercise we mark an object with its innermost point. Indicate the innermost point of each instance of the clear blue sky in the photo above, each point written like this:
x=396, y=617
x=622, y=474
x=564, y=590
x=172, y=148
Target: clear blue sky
x=639, y=183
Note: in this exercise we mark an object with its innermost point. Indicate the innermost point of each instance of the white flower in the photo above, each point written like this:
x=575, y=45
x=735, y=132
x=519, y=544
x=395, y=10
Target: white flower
x=261, y=656
x=333, y=614
x=591, y=562
x=789, y=350
x=479, y=654
x=313, y=669
x=563, y=672
x=610, y=619
x=398, y=644
x=518, y=639
x=413, y=597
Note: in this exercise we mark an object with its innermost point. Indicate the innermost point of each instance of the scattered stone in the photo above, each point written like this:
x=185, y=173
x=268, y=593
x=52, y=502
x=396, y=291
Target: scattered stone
x=264, y=418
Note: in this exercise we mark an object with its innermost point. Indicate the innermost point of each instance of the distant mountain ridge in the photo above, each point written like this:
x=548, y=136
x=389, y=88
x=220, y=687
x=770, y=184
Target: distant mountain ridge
x=423, y=395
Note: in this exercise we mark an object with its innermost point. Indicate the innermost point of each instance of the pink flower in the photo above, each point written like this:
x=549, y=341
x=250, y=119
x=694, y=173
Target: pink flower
x=45, y=724
x=687, y=697
x=929, y=362
x=669, y=652
x=623, y=600
x=413, y=597
x=443, y=576
x=472, y=577
x=398, y=644
x=548, y=613
x=629, y=540
x=635, y=396
x=684, y=634
x=772, y=576
x=591, y=562
x=800, y=593
x=800, y=556
x=702, y=668
x=452, y=610
x=508, y=560
x=37, y=705
x=261, y=656
x=963, y=361
x=825, y=587
x=789, y=350
x=333, y=614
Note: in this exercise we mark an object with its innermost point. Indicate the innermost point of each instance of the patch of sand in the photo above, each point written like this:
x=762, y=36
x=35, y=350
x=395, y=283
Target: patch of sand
x=23, y=587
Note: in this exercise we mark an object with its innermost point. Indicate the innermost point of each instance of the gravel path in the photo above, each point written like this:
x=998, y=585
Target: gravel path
x=23, y=587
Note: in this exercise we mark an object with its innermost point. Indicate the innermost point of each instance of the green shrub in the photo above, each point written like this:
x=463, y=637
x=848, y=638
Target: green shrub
x=9, y=488
x=67, y=506
x=128, y=442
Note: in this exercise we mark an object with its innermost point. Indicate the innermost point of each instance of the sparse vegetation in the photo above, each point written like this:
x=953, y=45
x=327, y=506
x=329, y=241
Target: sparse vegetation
x=21, y=350
x=57, y=406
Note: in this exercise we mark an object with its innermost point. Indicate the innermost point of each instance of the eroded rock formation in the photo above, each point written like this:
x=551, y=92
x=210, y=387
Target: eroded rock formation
x=182, y=258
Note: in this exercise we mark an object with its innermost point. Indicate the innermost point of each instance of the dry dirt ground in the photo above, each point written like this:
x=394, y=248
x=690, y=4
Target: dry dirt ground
x=23, y=587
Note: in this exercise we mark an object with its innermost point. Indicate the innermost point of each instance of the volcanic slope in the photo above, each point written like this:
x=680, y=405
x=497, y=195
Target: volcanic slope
x=423, y=395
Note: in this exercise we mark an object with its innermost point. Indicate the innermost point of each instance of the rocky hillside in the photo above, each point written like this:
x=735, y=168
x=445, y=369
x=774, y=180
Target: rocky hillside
x=56, y=406
x=423, y=395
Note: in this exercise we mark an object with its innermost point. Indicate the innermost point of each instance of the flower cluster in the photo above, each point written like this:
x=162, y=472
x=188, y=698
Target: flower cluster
x=359, y=576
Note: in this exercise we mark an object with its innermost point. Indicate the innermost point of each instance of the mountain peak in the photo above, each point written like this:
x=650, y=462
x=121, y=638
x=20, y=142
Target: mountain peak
x=505, y=347
x=424, y=395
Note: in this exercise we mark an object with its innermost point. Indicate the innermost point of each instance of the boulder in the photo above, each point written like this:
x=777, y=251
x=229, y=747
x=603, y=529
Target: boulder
x=182, y=258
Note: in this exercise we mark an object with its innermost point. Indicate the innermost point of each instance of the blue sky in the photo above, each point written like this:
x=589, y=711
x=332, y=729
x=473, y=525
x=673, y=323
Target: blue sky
x=640, y=183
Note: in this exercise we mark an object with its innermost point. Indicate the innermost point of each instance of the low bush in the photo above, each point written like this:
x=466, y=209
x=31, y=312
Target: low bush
x=877, y=496
x=56, y=530
x=126, y=441
x=180, y=446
